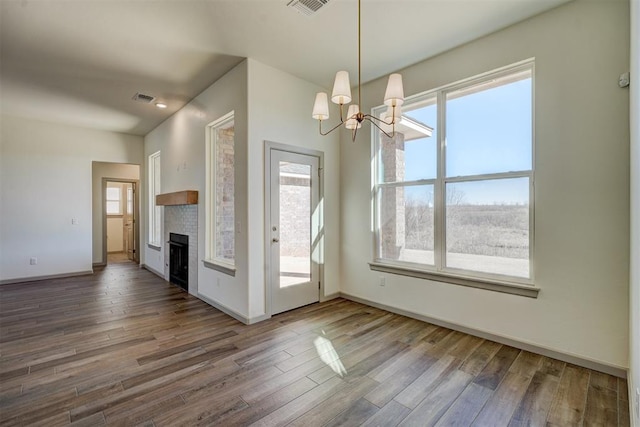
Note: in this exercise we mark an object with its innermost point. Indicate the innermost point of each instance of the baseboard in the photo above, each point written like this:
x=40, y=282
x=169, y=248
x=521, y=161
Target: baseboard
x=154, y=271
x=533, y=348
x=330, y=297
x=239, y=317
x=99, y=264
x=47, y=277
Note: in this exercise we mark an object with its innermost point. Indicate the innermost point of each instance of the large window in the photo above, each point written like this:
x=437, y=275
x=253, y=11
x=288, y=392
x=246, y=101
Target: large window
x=454, y=185
x=221, y=193
x=155, y=214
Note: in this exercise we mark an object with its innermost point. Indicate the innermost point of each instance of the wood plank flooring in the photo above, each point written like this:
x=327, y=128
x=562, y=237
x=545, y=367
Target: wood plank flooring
x=122, y=347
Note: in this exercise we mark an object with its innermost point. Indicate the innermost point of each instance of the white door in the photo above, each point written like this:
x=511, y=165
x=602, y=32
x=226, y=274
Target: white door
x=293, y=198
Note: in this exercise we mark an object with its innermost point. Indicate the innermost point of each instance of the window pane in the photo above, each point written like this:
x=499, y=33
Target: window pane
x=406, y=223
x=155, y=226
x=113, y=207
x=412, y=154
x=488, y=127
x=487, y=226
x=224, y=188
x=113, y=193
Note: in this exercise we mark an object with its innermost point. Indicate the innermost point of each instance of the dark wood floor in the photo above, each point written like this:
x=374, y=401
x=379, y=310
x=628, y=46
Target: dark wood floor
x=123, y=347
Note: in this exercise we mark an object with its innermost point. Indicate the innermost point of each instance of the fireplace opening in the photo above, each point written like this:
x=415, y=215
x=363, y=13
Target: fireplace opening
x=179, y=260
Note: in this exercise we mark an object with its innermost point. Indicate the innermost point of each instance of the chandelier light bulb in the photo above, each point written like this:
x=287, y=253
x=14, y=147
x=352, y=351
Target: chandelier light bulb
x=351, y=122
x=320, y=107
x=341, y=88
x=394, y=95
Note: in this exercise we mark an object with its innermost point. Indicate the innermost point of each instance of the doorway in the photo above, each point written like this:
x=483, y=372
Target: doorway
x=294, y=227
x=120, y=221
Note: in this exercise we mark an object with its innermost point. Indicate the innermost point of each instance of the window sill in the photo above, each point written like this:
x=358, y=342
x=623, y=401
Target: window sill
x=496, y=286
x=154, y=246
x=231, y=271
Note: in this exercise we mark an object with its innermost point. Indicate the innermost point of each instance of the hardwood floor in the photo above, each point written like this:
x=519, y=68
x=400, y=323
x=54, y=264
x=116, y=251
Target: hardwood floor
x=123, y=347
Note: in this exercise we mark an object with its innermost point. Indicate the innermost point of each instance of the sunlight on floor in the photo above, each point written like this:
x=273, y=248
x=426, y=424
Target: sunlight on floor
x=329, y=355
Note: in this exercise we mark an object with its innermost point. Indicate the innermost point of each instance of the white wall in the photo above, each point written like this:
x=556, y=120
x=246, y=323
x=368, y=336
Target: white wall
x=280, y=111
x=102, y=170
x=634, y=290
x=582, y=185
x=45, y=181
x=181, y=141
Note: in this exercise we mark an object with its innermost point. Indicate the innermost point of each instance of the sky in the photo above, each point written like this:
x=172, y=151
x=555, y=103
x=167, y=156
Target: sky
x=487, y=132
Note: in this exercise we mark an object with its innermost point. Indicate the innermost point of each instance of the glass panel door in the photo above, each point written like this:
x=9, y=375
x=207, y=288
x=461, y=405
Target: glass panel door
x=293, y=200
x=295, y=223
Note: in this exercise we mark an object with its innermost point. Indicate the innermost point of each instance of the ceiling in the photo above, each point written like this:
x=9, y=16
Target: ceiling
x=80, y=62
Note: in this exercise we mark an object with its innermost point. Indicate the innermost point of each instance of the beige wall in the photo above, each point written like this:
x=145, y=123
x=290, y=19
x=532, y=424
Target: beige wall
x=45, y=182
x=249, y=90
x=181, y=141
x=286, y=119
x=581, y=194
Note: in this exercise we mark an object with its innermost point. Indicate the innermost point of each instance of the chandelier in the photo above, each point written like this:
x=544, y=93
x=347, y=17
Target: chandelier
x=341, y=95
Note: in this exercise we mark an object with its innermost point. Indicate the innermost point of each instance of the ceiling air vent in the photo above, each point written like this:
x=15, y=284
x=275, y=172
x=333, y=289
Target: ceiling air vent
x=141, y=97
x=307, y=7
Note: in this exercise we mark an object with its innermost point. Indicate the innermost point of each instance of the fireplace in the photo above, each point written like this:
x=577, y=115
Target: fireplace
x=179, y=260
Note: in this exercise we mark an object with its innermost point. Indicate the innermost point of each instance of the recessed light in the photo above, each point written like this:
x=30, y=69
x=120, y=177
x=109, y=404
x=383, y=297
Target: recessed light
x=161, y=105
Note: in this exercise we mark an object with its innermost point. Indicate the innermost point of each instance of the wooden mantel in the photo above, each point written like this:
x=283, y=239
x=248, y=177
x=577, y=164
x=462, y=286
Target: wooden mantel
x=186, y=197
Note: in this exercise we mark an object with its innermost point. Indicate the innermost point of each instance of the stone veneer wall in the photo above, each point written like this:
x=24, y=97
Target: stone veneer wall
x=183, y=219
x=225, y=185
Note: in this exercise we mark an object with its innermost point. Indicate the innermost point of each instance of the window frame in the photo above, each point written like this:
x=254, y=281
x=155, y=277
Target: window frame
x=211, y=260
x=155, y=214
x=439, y=271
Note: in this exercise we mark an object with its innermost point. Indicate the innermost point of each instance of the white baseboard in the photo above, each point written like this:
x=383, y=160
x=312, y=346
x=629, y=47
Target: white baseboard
x=154, y=271
x=239, y=317
x=330, y=297
x=617, y=371
x=47, y=277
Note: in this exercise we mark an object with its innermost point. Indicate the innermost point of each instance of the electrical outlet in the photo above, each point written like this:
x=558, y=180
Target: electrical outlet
x=33, y=261
x=383, y=281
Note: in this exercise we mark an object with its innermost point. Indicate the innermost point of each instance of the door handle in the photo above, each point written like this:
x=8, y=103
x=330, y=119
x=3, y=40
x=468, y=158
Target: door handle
x=275, y=240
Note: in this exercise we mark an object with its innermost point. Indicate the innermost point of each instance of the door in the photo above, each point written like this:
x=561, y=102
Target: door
x=129, y=222
x=294, y=193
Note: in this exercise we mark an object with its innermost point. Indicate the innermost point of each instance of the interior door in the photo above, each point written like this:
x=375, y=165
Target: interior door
x=293, y=199
x=129, y=220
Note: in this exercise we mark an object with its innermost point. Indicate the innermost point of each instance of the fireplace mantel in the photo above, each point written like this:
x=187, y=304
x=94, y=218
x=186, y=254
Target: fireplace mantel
x=186, y=197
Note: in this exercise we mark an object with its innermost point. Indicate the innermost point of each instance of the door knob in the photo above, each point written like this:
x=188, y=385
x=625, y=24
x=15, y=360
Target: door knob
x=275, y=240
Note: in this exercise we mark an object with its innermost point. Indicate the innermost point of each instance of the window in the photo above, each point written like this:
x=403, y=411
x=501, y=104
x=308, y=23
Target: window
x=114, y=205
x=155, y=225
x=220, y=193
x=454, y=186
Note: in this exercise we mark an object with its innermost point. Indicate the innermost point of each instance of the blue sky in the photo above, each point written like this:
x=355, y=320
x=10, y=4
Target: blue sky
x=487, y=132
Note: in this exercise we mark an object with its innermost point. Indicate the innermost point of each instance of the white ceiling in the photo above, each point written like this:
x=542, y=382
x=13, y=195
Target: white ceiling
x=81, y=61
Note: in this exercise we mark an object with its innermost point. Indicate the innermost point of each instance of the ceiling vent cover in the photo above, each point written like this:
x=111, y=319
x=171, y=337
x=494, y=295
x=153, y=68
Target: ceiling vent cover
x=141, y=97
x=307, y=7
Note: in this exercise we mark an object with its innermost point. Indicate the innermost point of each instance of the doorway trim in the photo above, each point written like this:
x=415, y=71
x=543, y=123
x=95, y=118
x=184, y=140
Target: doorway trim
x=136, y=216
x=268, y=147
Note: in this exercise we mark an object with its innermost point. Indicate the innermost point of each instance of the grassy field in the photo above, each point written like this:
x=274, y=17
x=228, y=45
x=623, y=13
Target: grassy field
x=490, y=230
